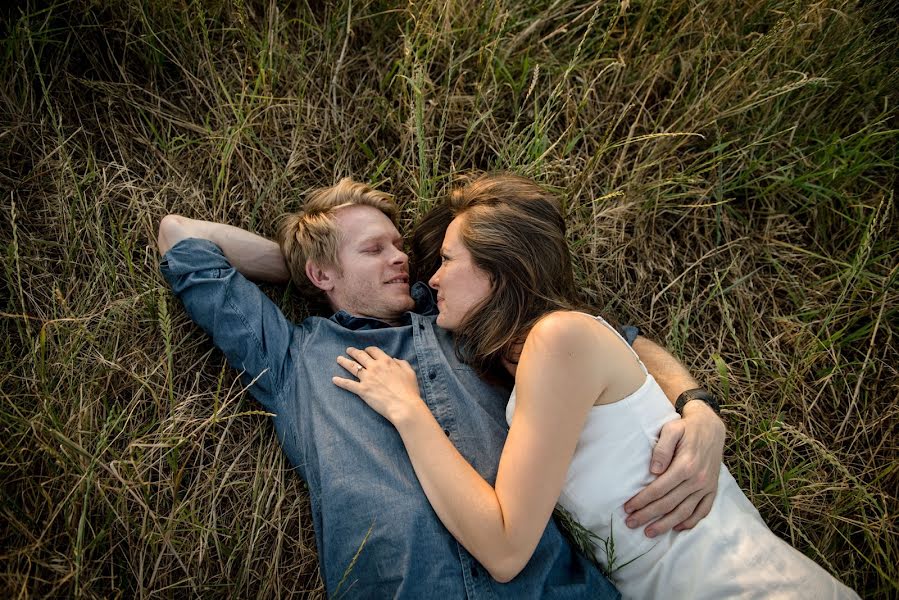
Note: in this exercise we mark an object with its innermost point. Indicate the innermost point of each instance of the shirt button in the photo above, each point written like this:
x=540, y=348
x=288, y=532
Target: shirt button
x=432, y=374
x=421, y=325
x=446, y=431
x=474, y=572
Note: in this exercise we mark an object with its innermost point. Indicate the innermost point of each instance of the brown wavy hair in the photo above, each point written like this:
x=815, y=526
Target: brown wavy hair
x=427, y=238
x=515, y=232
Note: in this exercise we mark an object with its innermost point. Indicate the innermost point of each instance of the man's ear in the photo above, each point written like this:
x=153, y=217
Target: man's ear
x=321, y=278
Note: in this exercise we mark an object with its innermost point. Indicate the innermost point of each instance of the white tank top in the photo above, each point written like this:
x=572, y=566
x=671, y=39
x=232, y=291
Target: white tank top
x=730, y=553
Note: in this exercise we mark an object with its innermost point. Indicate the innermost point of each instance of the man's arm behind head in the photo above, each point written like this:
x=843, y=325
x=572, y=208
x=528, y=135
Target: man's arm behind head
x=255, y=257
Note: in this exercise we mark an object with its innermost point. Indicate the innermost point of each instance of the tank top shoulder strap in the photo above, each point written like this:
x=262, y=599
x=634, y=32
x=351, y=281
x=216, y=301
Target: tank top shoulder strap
x=620, y=337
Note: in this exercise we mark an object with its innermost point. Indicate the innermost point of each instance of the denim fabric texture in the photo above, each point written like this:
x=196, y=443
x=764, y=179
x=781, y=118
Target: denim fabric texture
x=364, y=494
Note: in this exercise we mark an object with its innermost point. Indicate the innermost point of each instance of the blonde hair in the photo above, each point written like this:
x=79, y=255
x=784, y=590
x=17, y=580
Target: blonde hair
x=312, y=234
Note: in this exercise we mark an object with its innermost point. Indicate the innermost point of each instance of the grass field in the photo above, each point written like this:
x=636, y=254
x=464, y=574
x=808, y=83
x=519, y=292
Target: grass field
x=729, y=172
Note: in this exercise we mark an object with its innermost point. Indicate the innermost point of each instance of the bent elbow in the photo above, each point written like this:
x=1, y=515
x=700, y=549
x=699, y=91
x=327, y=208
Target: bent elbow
x=170, y=232
x=506, y=569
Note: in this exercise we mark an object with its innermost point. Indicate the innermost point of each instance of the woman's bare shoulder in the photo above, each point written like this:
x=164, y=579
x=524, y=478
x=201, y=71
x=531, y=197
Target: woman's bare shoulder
x=568, y=332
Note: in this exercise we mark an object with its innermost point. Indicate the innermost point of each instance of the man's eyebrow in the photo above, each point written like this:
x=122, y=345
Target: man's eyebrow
x=379, y=238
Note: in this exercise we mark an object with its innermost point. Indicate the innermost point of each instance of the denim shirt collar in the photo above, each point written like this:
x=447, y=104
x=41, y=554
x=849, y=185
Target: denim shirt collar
x=425, y=305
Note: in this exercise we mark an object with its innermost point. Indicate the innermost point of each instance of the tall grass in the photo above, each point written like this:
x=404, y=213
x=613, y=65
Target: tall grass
x=729, y=173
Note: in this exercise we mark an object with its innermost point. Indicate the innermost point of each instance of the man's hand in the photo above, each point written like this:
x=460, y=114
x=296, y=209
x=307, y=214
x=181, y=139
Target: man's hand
x=686, y=487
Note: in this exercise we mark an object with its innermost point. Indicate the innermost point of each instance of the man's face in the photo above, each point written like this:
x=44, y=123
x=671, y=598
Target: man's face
x=373, y=278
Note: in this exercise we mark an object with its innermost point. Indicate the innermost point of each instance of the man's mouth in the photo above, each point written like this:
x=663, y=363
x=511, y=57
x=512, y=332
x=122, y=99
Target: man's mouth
x=404, y=279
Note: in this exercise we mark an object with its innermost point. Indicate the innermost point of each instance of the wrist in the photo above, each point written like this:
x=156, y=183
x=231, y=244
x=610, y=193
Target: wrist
x=698, y=410
x=692, y=396
x=408, y=414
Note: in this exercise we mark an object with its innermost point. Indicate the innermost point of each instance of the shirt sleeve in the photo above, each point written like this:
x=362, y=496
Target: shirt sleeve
x=629, y=333
x=243, y=322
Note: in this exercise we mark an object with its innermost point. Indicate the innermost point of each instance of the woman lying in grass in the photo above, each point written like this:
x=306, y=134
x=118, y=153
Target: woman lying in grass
x=583, y=418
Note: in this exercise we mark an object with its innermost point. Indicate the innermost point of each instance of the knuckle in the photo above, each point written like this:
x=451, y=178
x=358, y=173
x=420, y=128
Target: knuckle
x=686, y=509
x=651, y=495
x=663, y=525
x=689, y=465
x=671, y=506
x=662, y=452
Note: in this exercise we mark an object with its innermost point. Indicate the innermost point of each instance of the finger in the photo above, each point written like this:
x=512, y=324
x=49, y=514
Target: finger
x=702, y=511
x=672, y=518
x=663, y=484
x=361, y=356
x=377, y=353
x=350, y=365
x=669, y=437
x=660, y=507
x=347, y=384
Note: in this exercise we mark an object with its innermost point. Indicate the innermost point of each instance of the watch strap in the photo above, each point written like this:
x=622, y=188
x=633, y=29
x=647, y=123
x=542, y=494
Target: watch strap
x=697, y=394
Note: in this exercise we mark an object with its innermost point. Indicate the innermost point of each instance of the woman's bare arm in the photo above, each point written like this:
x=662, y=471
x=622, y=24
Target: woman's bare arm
x=557, y=383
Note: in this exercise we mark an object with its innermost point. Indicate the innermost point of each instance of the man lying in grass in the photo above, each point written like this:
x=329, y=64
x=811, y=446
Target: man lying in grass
x=374, y=526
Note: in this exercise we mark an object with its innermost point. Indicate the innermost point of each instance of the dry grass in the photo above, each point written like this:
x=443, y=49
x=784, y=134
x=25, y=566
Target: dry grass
x=729, y=171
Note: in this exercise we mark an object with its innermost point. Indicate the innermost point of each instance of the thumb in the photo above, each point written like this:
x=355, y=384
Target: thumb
x=671, y=434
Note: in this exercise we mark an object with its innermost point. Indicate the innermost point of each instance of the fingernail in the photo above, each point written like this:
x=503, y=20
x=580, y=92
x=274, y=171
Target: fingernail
x=650, y=533
x=656, y=467
x=631, y=522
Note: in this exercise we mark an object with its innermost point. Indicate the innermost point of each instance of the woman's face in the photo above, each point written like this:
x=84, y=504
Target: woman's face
x=459, y=283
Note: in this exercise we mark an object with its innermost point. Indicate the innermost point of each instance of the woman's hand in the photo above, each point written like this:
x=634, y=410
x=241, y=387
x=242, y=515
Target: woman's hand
x=387, y=384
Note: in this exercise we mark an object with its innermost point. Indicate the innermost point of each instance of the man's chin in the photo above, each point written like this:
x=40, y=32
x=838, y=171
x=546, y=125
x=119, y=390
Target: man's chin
x=403, y=306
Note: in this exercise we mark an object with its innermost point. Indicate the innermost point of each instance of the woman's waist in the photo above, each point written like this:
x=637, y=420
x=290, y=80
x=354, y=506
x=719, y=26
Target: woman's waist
x=731, y=518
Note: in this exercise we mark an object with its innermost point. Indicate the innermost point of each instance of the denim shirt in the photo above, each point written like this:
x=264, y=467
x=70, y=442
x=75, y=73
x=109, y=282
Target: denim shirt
x=367, y=504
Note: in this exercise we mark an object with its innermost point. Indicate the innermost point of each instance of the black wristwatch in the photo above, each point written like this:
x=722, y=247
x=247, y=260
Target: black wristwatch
x=696, y=394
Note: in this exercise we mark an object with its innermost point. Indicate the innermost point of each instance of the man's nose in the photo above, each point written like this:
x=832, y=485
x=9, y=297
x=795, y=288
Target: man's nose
x=399, y=257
